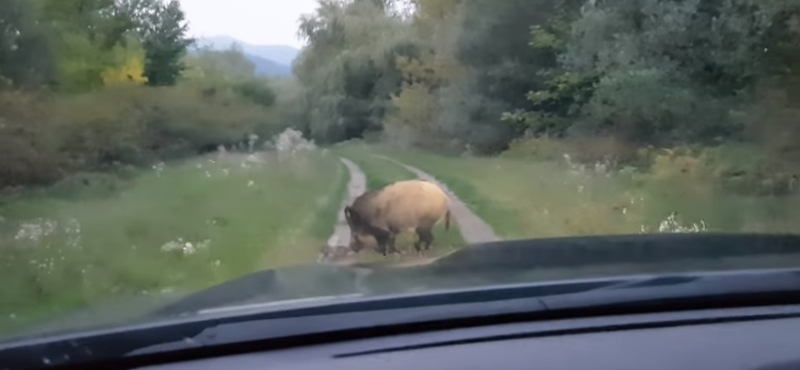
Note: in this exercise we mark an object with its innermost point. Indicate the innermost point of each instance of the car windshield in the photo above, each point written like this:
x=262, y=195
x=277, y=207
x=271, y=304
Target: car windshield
x=154, y=150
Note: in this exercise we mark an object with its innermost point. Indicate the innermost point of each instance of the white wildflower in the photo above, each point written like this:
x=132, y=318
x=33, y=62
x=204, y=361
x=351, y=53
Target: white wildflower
x=73, y=230
x=185, y=248
x=171, y=246
x=600, y=168
x=34, y=230
x=251, y=142
x=158, y=167
x=205, y=244
x=253, y=158
x=671, y=225
x=291, y=141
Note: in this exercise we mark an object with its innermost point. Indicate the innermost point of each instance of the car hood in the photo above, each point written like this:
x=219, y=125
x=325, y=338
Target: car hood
x=505, y=262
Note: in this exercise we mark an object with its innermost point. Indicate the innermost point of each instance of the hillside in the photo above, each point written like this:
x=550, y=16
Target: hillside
x=267, y=67
x=281, y=54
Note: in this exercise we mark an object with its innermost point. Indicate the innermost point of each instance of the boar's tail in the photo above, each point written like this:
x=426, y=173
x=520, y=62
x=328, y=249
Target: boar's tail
x=447, y=220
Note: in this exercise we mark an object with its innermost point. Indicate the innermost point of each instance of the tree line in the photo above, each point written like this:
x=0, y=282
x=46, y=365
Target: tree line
x=90, y=84
x=481, y=75
x=97, y=85
x=78, y=45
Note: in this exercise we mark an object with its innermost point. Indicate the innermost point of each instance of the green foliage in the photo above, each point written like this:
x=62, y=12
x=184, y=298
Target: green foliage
x=349, y=69
x=219, y=66
x=25, y=51
x=72, y=43
x=475, y=75
x=28, y=141
x=46, y=138
x=661, y=72
x=165, y=43
x=256, y=91
x=96, y=54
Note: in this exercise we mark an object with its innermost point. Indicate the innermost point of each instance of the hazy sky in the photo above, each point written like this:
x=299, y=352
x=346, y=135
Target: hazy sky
x=251, y=21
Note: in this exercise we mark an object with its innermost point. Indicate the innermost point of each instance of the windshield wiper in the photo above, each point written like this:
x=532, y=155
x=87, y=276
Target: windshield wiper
x=354, y=318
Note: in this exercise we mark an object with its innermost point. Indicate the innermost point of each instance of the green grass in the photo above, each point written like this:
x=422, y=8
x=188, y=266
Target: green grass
x=239, y=217
x=380, y=172
x=532, y=198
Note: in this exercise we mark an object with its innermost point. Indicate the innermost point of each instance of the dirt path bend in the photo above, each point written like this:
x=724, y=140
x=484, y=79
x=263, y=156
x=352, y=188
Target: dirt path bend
x=357, y=186
x=473, y=228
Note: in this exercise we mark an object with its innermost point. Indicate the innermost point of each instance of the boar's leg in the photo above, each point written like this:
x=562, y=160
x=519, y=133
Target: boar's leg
x=425, y=236
x=383, y=238
x=392, y=248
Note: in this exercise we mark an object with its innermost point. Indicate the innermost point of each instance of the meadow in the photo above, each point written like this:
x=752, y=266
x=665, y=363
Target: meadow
x=179, y=226
x=185, y=225
x=534, y=197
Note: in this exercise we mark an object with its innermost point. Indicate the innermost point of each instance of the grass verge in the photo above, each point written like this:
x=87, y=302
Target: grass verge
x=533, y=198
x=181, y=226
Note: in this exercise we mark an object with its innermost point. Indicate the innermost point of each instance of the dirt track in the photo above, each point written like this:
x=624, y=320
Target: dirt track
x=473, y=228
x=356, y=187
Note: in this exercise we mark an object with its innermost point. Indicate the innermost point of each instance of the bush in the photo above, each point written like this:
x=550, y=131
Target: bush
x=587, y=150
x=741, y=168
x=28, y=145
x=257, y=92
x=45, y=138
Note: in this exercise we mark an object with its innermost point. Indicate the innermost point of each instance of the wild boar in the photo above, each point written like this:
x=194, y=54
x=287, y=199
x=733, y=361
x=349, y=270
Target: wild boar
x=377, y=216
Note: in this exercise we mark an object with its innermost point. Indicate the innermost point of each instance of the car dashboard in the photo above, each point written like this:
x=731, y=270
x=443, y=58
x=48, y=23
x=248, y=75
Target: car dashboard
x=727, y=339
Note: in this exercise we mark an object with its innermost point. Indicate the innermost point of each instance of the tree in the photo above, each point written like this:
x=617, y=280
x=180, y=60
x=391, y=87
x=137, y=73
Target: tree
x=25, y=53
x=128, y=66
x=222, y=66
x=165, y=44
x=659, y=71
x=493, y=45
x=349, y=69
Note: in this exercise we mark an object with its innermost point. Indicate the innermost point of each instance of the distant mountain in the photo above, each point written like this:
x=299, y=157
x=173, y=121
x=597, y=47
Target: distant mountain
x=266, y=67
x=282, y=54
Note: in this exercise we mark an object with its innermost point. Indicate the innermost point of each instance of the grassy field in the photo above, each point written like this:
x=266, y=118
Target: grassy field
x=379, y=173
x=184, y=226
x=181, y=226
x=530, y=198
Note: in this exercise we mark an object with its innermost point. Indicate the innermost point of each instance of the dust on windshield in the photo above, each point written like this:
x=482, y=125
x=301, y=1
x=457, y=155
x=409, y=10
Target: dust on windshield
x=153, y=148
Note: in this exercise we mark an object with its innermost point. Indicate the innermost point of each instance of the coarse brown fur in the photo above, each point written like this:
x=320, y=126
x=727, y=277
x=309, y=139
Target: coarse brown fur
x=412, y=205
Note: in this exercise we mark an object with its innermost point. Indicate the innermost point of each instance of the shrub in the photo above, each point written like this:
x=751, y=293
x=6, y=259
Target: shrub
x=256, y=91
x=45, y=138
x=589, y=150
x=28, y=146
